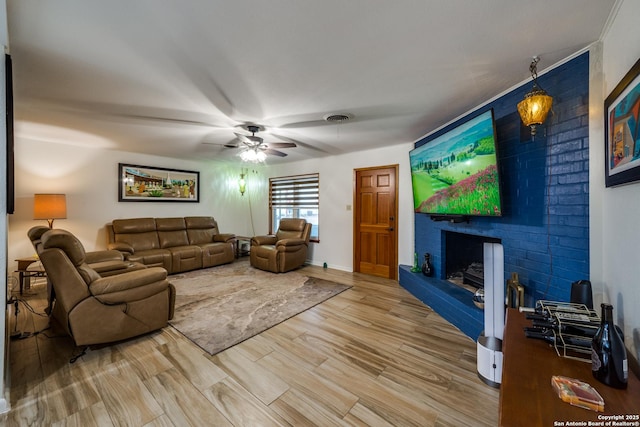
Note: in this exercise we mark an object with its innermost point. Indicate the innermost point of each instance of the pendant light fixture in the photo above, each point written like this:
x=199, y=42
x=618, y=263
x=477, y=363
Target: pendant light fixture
x=242, y=182
x=535, y=106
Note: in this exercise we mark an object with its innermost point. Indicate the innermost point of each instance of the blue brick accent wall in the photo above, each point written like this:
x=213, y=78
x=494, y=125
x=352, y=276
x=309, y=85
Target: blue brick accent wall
x=545, y=190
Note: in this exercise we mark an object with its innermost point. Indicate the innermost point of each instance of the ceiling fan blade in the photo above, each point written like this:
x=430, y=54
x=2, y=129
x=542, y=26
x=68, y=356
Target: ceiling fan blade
x=234, y=143
x=274, y=152
x=165, y=120
x=243, y=138
x=281, y=144
x=250, y=140
x=314, y=146
x=140, y=114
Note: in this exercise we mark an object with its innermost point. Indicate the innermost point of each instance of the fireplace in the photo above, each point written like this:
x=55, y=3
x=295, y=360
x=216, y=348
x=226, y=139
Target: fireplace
x=464, y=259
x=464, y=256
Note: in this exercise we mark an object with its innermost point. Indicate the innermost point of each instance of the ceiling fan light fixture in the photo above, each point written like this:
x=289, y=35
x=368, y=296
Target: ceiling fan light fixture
x=253, y=156
x=254, y=149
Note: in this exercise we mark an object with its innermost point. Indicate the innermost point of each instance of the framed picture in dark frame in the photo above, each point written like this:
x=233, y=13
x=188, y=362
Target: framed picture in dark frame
x=152, y=184
x=622, y=130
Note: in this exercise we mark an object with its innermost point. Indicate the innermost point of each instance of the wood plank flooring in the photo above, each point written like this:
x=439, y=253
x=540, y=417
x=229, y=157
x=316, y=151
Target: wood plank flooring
x=372, y=356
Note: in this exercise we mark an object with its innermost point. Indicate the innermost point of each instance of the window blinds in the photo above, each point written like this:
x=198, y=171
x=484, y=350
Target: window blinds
x=300, y=191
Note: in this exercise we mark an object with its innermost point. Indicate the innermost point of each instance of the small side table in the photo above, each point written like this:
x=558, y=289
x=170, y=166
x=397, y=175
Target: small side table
x=25, y=275
x=240, y=240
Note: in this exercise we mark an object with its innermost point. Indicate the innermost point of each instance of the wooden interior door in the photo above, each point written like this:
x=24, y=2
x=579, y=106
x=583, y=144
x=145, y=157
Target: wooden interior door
x=375, y=226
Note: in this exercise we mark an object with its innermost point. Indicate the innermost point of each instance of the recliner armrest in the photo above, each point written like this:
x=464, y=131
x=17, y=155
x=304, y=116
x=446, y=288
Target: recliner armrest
x=103, y=256
x=127, y=281
x=289, y=245
x=109, y=268
x=264, y=240
x=122, y=247
x=225, y=237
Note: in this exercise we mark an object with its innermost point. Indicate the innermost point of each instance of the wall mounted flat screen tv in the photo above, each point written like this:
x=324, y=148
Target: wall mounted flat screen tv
x=456, y=173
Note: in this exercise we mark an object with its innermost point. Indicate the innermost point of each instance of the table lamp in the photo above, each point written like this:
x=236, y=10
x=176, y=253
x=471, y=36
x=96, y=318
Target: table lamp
x=49, y=207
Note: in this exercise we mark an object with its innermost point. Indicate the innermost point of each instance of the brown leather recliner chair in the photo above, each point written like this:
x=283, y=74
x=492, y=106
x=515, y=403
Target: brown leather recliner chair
x=99, y=310
x=284, y=251
x=105, y=262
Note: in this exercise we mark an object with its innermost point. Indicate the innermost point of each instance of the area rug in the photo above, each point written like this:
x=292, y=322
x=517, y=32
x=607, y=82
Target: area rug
x=219, y=307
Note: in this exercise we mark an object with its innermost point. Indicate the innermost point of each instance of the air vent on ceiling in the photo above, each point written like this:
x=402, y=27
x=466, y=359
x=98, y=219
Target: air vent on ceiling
x=337, y=117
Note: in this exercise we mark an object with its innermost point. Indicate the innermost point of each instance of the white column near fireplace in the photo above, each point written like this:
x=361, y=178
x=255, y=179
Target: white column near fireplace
x=489, y=347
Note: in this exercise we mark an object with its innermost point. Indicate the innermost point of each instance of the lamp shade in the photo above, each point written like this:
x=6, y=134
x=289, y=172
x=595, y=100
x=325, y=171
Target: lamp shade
x=49, y=207
x=535, y=106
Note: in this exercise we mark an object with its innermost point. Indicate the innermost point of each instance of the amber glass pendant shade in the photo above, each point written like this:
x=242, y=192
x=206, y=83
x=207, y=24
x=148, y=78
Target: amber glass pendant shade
x=535, y=106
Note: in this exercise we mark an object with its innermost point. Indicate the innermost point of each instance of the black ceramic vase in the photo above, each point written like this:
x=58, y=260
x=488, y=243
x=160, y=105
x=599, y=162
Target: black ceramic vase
x=427, y=268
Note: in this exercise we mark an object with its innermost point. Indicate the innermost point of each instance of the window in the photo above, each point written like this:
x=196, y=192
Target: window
x=295, y=197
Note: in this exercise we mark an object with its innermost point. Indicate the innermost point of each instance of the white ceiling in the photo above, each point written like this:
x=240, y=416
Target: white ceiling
x=177, y=78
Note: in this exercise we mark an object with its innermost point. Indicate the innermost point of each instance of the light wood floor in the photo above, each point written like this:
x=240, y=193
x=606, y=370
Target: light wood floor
x=373, y=355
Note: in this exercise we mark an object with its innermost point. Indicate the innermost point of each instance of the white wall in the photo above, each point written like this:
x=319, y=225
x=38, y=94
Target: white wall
x=89, y=178
x=615, y=233
x=336, y=193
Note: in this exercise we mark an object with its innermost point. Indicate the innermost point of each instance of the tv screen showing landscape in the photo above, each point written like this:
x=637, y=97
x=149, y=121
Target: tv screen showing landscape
x=457, y=172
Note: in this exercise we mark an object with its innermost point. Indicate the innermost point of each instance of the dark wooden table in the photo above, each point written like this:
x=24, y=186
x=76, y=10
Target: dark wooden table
x=25, y=275
x=527, y=397
x=240, y=240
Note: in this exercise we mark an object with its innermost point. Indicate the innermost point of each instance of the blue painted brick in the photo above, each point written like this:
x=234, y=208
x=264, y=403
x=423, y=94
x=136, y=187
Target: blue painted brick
x=571, y=253
x=572, y=242
x=573, y=210
x=574, y=156
x=567, y=189
x=569, y=125
x=566, y=167
x=570, y=231
x=573, y=178
x=451, y=302
x=577, y=221
x=576, y=135
x=529, y=192
x=570, y=145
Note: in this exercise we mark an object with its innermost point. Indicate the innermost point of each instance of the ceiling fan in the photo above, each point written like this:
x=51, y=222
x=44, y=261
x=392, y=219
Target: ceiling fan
x=254, y=149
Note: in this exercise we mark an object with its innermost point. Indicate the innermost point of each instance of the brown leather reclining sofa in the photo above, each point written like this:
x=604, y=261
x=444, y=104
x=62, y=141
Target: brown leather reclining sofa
x=176, y=244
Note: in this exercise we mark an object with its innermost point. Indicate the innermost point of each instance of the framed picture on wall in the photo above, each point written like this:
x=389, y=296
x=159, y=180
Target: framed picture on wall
x=151, y=184
x=622, y=130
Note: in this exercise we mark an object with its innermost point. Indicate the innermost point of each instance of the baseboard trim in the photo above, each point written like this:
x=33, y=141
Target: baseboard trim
x=334, y=267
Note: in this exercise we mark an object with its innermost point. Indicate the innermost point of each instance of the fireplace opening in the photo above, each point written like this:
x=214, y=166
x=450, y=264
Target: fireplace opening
x=464, y=259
